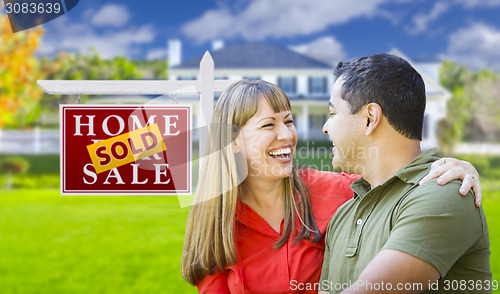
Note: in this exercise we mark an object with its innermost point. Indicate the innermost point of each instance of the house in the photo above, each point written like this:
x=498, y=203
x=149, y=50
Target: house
x=306, y=81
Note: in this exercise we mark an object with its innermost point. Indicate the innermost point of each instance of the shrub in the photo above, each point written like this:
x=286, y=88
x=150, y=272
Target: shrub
x=11, y=166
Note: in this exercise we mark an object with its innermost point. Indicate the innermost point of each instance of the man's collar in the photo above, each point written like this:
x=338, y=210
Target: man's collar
x=414, y=171
x=411, y=173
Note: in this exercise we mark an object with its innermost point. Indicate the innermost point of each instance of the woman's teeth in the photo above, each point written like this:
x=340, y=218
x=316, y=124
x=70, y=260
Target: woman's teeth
x=282, y=153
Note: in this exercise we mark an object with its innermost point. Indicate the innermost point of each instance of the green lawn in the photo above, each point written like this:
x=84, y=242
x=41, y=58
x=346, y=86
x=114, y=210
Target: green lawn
x=73, y=244
x=81, y=244
x=70, y=244
x=491, y=206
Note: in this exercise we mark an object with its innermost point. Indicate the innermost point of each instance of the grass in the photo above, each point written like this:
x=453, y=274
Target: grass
x=491, y=206
x=89, y=244
x=55, y=244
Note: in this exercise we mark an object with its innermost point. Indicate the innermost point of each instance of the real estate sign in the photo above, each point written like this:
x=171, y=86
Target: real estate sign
x=125, y=150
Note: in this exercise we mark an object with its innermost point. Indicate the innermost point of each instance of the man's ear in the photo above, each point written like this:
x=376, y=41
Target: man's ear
x=373, y=117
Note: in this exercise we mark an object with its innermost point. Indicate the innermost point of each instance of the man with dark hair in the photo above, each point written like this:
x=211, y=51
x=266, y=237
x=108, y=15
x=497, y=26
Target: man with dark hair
x=395, y=236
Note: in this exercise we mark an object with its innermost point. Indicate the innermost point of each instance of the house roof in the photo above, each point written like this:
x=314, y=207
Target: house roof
x=256, y=55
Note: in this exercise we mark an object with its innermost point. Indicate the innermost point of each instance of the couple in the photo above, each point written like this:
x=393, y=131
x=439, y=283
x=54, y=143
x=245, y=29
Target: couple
x=259, y=224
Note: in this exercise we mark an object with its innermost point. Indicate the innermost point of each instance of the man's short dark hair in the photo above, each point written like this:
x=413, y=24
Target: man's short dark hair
x=389, y=81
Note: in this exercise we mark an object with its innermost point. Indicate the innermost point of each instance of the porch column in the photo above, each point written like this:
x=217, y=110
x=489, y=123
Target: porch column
x=304, y=122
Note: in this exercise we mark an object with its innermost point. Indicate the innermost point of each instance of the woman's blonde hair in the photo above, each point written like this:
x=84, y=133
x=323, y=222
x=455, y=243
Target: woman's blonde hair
x=209, y=242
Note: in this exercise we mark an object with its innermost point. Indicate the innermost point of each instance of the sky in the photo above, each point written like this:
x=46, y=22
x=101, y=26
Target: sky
x=465, y=31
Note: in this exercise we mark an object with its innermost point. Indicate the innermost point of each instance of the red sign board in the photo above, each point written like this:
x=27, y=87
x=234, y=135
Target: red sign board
x=125, y=150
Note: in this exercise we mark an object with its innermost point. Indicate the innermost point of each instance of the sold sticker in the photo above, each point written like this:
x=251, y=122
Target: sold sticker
x=126, y=148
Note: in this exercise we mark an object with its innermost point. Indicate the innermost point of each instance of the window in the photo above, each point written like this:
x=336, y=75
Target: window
x=316, y=121
x=251, y=78
x=187, y=78
x=317, y=85
x=287, y=84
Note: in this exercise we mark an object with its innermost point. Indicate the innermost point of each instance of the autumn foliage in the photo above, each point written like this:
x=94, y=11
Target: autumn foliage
x=19, y=72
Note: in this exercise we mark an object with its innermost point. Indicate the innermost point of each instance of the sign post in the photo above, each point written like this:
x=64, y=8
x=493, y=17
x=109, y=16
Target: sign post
x=206, y=86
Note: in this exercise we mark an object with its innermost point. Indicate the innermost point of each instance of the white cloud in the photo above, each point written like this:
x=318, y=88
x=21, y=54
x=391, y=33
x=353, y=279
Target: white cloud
x=421, y=21
x=475, y=46
x=326, y=49
x=157, y=53
x=478, y=3
x=278, y=18
x=111, y=15
x=62, y=35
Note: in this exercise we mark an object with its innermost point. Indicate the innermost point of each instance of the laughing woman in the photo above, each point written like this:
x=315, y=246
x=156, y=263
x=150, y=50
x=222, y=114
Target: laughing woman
x=257, y=223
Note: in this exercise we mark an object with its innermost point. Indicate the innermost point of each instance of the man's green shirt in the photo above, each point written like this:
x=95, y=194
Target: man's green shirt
x=431, y=222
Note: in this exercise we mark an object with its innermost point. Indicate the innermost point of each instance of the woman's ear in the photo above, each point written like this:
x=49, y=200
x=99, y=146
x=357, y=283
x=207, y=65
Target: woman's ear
x=373, y=117
x=237, y=144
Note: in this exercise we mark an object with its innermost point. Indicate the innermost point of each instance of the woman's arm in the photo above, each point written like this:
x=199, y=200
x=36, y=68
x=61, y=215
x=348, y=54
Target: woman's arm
x=447, y=169
x=214, y=284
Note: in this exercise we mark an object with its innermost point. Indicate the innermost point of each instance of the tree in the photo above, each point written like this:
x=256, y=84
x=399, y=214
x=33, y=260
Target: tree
x=454, y=76
x=89, y=66
x=19, y=71
x=473, y=112
x=451, y=129
x=484, y=123
x=156, y=68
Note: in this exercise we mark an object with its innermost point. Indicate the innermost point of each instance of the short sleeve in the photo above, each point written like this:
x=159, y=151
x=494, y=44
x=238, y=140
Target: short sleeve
x=437, y=225
x=214, y=284
x=328, y=189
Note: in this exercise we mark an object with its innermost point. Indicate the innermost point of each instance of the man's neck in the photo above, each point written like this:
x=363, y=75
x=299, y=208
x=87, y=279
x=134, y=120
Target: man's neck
x=389, y=160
